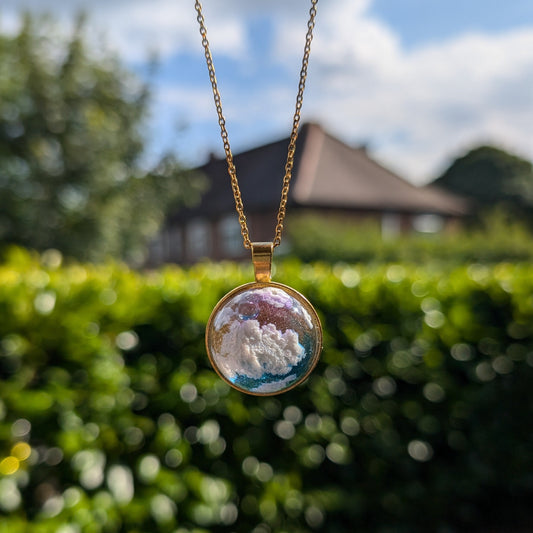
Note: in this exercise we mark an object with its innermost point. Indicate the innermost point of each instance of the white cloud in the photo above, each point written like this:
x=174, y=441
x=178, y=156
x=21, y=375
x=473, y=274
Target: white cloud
x=419, y=107
x=137, y=27
x=416, y=108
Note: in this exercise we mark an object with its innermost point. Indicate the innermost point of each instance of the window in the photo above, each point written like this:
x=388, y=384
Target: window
x=391, y=225
x=230, y=235
x=198, y=239
x=428, y=223
x=174, y=243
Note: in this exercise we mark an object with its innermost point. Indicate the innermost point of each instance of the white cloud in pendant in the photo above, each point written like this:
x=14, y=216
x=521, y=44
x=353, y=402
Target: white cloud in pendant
x=252, y=350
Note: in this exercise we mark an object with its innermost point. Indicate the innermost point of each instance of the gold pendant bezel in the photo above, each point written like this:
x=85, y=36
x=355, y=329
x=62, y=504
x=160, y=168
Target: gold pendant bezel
x=317, y=348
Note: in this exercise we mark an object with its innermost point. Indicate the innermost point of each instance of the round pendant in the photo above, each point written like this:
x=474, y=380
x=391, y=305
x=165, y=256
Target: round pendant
x=263, y=338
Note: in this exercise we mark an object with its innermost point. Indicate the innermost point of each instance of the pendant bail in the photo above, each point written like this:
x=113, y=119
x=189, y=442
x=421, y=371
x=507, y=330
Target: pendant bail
x=262, y=260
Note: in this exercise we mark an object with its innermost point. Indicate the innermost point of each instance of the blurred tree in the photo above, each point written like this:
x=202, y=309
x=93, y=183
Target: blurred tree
x=71, y=140
x=491, y=176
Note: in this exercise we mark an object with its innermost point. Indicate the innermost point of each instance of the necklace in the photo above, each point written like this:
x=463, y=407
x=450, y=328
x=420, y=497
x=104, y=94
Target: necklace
x=262, y=338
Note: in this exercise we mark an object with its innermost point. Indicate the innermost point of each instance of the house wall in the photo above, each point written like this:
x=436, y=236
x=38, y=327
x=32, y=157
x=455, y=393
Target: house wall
x=215, y=239
x=220, y=239
x=389, y=222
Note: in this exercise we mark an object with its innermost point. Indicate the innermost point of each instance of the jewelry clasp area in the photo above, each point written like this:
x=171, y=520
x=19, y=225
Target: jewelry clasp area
x=262, y=260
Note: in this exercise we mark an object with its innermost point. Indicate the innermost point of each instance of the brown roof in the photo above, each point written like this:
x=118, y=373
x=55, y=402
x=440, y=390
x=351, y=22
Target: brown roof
x=327, y=174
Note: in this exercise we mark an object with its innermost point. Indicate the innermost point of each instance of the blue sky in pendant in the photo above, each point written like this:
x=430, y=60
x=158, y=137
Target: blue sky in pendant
x=419, y=82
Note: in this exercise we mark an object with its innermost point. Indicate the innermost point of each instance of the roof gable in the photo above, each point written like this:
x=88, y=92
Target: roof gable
x=327, y=174
x=334, y=174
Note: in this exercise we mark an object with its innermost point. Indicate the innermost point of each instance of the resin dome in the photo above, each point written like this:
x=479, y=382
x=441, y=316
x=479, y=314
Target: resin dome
x=263, y=338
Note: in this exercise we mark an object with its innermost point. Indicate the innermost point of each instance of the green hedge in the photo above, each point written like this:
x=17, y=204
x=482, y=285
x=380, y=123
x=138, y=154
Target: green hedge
x=418, y=417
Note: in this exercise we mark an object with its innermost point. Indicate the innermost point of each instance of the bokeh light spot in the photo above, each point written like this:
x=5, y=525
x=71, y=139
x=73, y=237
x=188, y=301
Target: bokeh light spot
x=127, y=340
x=420, y=450
x=433, y=392
x=20, y=428
x=284, y=429
x=149, y=468
x=9, y=465
x=21, y=450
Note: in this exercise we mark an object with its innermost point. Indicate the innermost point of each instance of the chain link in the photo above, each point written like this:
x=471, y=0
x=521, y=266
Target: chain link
x=224, y=133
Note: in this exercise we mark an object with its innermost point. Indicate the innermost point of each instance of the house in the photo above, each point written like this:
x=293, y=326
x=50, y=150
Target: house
x=329, y=177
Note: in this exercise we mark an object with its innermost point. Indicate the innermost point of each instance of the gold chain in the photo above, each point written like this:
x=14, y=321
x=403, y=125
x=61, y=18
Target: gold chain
x=224, y=133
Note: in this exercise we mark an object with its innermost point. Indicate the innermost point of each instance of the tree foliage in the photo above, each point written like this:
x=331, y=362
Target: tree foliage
x=72, y=135
x=491, y=176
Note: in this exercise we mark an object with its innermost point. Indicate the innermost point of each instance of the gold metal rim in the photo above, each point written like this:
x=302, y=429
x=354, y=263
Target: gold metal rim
x=292, y=292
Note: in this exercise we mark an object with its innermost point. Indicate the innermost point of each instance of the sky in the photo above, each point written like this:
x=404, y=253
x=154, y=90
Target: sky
x=419, y=82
